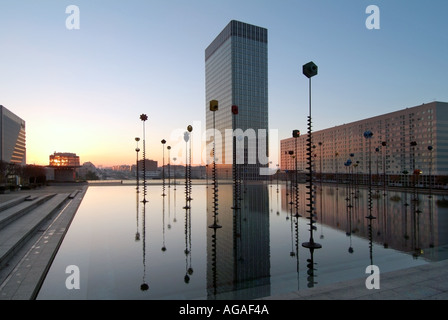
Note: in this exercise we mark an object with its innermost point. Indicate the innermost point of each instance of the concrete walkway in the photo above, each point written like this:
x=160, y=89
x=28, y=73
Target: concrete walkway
x=23, y=268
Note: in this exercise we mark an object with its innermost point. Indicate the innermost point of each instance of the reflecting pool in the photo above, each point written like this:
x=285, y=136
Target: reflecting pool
x=166, y=248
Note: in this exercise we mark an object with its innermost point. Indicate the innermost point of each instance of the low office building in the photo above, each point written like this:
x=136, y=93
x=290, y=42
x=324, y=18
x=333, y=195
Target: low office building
x=64, y=165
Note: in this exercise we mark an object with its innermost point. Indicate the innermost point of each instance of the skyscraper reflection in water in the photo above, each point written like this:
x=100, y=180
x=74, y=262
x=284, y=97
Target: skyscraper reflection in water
x=238, y=254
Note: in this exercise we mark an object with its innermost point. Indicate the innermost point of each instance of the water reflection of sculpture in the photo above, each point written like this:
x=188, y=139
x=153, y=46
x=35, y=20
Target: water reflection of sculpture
x=321, y=192
x=169, y=208
x=294, y=253
x=416, y=223
x=174, y=202
x=348, y=199
x=144, y=286
x=291, y=218
x=386, y=233
x=187, y=175
x=214, y=270
x=163, y=226
x=415, y=203
x=187, y=251
x=368, y=135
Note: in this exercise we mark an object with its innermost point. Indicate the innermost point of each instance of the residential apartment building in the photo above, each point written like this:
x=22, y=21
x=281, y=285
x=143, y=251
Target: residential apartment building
x=410, y=139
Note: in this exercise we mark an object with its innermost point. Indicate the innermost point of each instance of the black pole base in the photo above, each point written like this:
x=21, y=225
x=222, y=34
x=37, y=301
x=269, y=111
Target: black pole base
x=311, y=245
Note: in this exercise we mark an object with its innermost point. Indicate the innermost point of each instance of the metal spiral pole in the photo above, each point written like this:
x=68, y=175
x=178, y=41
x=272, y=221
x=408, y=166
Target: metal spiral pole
x=310, y=192
x=163, y=167
x=368, y=135
x=296, y=134
x=310, y=70
x=189, y=129
x=187, y=189
x=214, y=108
x=144, y=117
x=137, y=149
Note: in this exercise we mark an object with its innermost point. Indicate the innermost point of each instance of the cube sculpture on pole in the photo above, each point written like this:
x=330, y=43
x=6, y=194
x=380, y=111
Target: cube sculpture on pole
x=309, y=69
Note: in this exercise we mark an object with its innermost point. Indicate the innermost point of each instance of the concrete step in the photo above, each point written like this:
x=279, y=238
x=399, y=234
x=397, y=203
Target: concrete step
x=19, y=207
x=11, y=203
x=16, y=233
x=74, y=193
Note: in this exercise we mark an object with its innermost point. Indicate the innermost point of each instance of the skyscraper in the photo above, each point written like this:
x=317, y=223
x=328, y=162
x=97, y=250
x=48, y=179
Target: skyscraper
x=12, y=137
x=236, y=74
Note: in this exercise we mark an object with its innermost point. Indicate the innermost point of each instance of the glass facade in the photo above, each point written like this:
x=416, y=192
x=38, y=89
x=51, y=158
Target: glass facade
x=12, y=137
x=236, y=74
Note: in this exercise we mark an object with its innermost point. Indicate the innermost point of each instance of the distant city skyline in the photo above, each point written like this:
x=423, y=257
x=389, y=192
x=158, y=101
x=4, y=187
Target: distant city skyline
x=82, y=90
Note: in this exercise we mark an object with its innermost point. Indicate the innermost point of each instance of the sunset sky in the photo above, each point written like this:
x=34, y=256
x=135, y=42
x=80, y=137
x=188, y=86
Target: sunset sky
x=83, y=90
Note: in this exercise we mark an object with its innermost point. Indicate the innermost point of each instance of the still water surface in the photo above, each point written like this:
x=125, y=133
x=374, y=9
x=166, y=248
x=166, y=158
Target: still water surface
x=126, y=249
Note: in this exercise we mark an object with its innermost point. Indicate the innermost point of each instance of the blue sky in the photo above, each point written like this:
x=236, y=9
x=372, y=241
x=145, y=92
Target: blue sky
x=83, y=90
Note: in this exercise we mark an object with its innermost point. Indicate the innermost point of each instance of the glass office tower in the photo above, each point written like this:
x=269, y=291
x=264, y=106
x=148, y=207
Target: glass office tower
x=12, y=137
x=236, y=74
